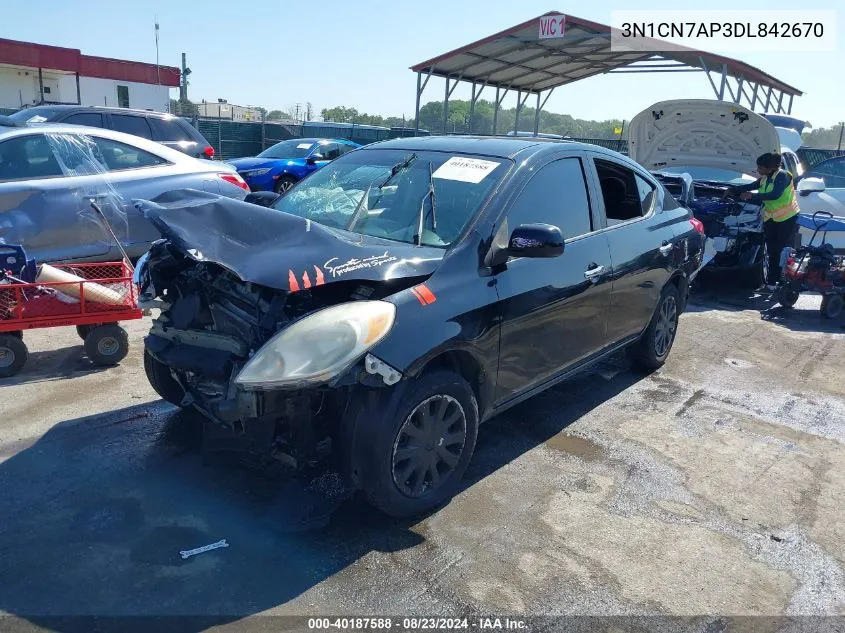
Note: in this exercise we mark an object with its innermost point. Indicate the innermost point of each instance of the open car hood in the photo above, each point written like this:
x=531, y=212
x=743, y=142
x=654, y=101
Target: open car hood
x=700, y=132
x=279, y=250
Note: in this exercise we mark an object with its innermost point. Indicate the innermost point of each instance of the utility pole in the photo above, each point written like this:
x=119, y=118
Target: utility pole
x=158, y=71
x=183, y=87
x=841, y=128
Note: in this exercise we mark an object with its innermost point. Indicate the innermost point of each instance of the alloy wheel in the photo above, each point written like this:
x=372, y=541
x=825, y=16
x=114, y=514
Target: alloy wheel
x=667, y=324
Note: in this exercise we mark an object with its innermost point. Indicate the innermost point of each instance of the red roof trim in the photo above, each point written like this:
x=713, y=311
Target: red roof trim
x=72, y=60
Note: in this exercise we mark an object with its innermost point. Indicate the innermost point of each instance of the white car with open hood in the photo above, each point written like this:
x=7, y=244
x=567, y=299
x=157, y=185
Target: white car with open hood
x=698, y=149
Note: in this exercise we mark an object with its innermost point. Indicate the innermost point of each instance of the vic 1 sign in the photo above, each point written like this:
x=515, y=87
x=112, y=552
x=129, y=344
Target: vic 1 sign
x=551, y=26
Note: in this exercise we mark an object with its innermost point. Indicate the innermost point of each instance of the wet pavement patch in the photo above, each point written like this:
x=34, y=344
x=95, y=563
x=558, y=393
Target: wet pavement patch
x=108, y=520
x=576, y=446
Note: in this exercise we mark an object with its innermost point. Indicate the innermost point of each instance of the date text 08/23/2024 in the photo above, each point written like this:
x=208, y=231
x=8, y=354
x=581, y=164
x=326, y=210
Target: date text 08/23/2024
x=417, y=624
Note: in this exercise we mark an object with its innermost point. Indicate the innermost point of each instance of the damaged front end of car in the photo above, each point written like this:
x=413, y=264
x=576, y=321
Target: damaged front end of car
x=269, y=348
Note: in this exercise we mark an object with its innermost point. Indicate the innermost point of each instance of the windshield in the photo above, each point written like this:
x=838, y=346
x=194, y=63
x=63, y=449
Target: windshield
x=295, y=148
x=711, y=174
x=393, y=206
x=39, y=114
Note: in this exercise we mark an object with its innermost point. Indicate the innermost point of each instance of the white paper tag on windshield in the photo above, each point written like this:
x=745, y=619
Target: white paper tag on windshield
x=463, y=169
x=303, y=146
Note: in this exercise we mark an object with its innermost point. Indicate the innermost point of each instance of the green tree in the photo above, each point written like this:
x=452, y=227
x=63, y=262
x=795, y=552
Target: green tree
x=277, y=115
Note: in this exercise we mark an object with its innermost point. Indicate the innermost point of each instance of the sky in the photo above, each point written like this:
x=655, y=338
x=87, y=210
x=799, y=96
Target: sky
x=358, y=54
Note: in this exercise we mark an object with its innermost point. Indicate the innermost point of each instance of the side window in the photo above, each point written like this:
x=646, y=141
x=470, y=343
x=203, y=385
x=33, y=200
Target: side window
x=119, y=156
x=789, y=164
x=28, y=157
x=78, y=154
x=556, y=195
x=168, y=130
x=329, y=151
x=626, y=195
x=831, y=171
x=344, y=148
x=129, y=124
x=91, y=119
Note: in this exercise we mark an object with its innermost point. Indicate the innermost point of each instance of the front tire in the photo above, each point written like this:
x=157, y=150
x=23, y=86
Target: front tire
x=787, y=297
x=107, y=345
x=421, y=454
x=284, y=184
x=653, y=348
x=162, y=381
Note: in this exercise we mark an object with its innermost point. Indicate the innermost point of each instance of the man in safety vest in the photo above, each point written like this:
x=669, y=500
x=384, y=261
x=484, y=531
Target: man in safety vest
x=776, y=192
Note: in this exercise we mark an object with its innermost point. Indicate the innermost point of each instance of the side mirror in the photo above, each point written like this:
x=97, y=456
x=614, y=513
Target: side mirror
x=262, y=198
x=314, y=158
x=806, y=186
x=535, y=240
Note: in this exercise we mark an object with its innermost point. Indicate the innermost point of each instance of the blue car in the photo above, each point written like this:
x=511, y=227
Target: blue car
x=281, y=166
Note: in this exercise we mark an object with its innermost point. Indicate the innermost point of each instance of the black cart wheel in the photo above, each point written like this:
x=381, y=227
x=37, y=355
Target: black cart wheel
x=832, y=306
x=422, y=454
x=162, y=381
x=786, y=297
x=652, y=350
x=107, y=345
x=284, y=184
x=84, y=330
x=13, y=354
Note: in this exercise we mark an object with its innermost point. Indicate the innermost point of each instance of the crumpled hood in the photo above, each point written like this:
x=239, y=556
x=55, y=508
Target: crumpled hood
x=700, y=132
x=276, y=249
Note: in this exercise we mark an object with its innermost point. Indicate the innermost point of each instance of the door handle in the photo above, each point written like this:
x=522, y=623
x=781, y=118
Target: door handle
x=666, y=248
x=593, y=272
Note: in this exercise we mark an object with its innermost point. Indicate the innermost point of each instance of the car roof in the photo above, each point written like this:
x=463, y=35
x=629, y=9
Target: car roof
x=64, y=107
x=494, y=146
x=172, y=155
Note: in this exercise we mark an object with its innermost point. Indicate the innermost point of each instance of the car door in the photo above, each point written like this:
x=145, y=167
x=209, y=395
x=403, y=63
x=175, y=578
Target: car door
x=41, y=204
x=552, y=311
x=645, y=244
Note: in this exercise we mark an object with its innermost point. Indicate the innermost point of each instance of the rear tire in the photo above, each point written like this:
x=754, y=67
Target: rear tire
x=107, y=345
x=284, y=184
x=422, y=453
x=162, y=381
x=13, y=354
x=832, y=306
x=653, y=348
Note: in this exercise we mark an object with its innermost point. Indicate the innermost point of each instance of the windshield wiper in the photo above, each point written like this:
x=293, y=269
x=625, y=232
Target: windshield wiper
x=359, y=208
x=428, y=193
x=398, y=167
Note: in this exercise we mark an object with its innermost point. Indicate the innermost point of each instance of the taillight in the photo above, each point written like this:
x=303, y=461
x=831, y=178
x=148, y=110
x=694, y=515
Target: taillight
x=209, y=152
x=234, y=179
x=698, y=225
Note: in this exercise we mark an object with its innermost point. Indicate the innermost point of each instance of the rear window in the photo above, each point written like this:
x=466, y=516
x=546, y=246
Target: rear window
x=35, y=115
x=168, y=130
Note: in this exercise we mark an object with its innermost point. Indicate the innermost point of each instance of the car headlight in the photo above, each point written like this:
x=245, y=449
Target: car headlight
x=254, y=172
x=318, y=347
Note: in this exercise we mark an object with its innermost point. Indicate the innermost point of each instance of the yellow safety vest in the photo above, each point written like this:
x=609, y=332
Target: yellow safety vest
x=784, y=207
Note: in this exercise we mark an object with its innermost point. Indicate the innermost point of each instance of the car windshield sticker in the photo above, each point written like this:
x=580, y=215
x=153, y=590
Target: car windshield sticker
x=463, y=169
x=337, y=268
x=303, y=146
x=36, y=119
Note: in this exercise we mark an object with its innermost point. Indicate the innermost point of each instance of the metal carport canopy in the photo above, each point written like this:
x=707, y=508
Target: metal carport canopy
x=516, y=59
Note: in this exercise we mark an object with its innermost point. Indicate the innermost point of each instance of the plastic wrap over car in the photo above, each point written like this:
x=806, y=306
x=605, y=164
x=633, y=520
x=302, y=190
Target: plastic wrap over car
x=40, y=213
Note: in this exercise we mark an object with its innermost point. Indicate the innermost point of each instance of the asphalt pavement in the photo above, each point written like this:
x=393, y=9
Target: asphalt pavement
x=713, y=487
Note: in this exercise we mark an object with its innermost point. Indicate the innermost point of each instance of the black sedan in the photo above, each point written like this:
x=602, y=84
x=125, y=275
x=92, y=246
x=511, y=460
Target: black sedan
x=369, y=320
